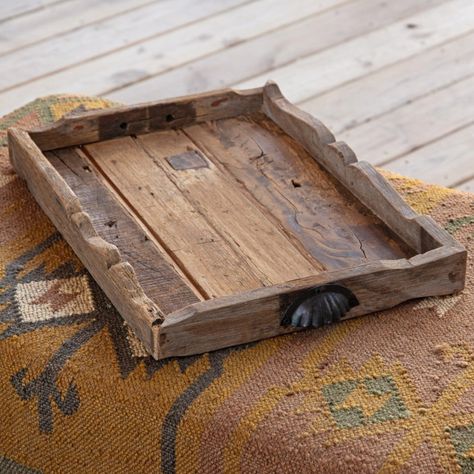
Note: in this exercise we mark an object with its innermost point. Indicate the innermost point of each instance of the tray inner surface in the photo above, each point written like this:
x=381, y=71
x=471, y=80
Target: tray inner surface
x=220, y=208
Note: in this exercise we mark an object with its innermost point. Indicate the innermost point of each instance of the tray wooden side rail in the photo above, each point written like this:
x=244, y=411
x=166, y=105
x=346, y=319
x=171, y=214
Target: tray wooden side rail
x=227, y=217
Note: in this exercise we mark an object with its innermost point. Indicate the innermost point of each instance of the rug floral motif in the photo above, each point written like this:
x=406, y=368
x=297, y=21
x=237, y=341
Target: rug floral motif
x=389, y=392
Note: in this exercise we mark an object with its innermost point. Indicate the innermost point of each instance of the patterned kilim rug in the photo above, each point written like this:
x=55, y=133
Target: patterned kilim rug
x=390, y=392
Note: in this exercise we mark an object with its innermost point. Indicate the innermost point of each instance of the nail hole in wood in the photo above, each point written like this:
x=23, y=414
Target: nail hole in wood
x=123, y=125
x=295, y=184
x=86, y=168
x=169, y=117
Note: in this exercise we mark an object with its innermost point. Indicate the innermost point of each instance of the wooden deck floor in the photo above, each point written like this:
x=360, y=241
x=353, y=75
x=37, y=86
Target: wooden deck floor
x=395, y=79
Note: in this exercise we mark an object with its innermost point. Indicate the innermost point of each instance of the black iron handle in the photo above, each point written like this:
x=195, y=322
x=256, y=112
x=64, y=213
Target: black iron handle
x=318, y=306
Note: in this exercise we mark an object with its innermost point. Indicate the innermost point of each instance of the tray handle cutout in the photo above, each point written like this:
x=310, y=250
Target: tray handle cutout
x=319, y=306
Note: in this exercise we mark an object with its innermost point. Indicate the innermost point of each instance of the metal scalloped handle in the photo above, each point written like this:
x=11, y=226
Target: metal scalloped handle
x=319, y=306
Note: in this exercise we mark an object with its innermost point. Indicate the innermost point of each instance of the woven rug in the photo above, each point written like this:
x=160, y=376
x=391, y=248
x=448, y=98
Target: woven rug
x=389, y=392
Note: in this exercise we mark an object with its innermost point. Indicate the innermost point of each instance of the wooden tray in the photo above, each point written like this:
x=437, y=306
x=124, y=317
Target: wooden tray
x=228, y=217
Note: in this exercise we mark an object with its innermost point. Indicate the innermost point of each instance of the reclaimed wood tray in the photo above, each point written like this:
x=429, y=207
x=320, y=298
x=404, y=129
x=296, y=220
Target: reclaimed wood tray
x=228, y=217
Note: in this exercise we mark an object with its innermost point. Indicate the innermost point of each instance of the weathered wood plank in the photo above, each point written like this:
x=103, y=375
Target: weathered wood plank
x=22, y=7
x=288, y=182
x=393, y=86
x=257, y=314
x=273, y=49
x=187, y=236
x=159, y=280
x=444, y=161
x=414, y=125
x=102, y=259
x=90, y=41
x=326, y=70
x=60, y=18
x=145, y=58
x=93, y=126
x=273, y=257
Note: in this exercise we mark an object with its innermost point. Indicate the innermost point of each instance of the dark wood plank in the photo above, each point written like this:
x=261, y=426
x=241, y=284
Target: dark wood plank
x=93, y=126
x=159, y=280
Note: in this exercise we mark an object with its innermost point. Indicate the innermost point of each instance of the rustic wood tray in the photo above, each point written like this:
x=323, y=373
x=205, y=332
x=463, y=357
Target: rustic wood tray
x=228, y=217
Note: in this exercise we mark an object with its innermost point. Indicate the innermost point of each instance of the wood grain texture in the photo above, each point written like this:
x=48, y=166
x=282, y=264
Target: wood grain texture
x=60, y=18
x=78, y=46
x=150, y=54
x=272, y=49
x=159, y=280
x=387, y=89
x=93, y=126
x=445, y=161
x=257, y=315
x=333, y=67
x=194, y=244
x=116, y=277
x=280, y=175
x=363, y=181
x=262, y=243
x=336, y=157
x=22, y=7
x=392, y=136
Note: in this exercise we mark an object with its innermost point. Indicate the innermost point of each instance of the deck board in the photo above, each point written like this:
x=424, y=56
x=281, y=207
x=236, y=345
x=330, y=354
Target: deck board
x=14, y=9
x=274, y=49
x=389, y=88
x=61, y=18
x=414, y=125
x=374, y=71
x=467, y=185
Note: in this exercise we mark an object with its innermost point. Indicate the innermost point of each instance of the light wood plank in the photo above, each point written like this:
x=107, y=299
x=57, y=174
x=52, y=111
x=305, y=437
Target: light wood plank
x=273, y=49
x=91, y=41
x=329, y=69
x=467, y=186
x=382, y=91
x=15, y=8
x=147, y=58
x=60, y=18
x=414, y=125
x=267, y=250
x=445, y=161
x=183, y=231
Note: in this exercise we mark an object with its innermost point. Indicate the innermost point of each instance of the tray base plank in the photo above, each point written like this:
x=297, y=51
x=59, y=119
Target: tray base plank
x=333, y=227
x=159, y=280
x=219, y=198
x=193, y=244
